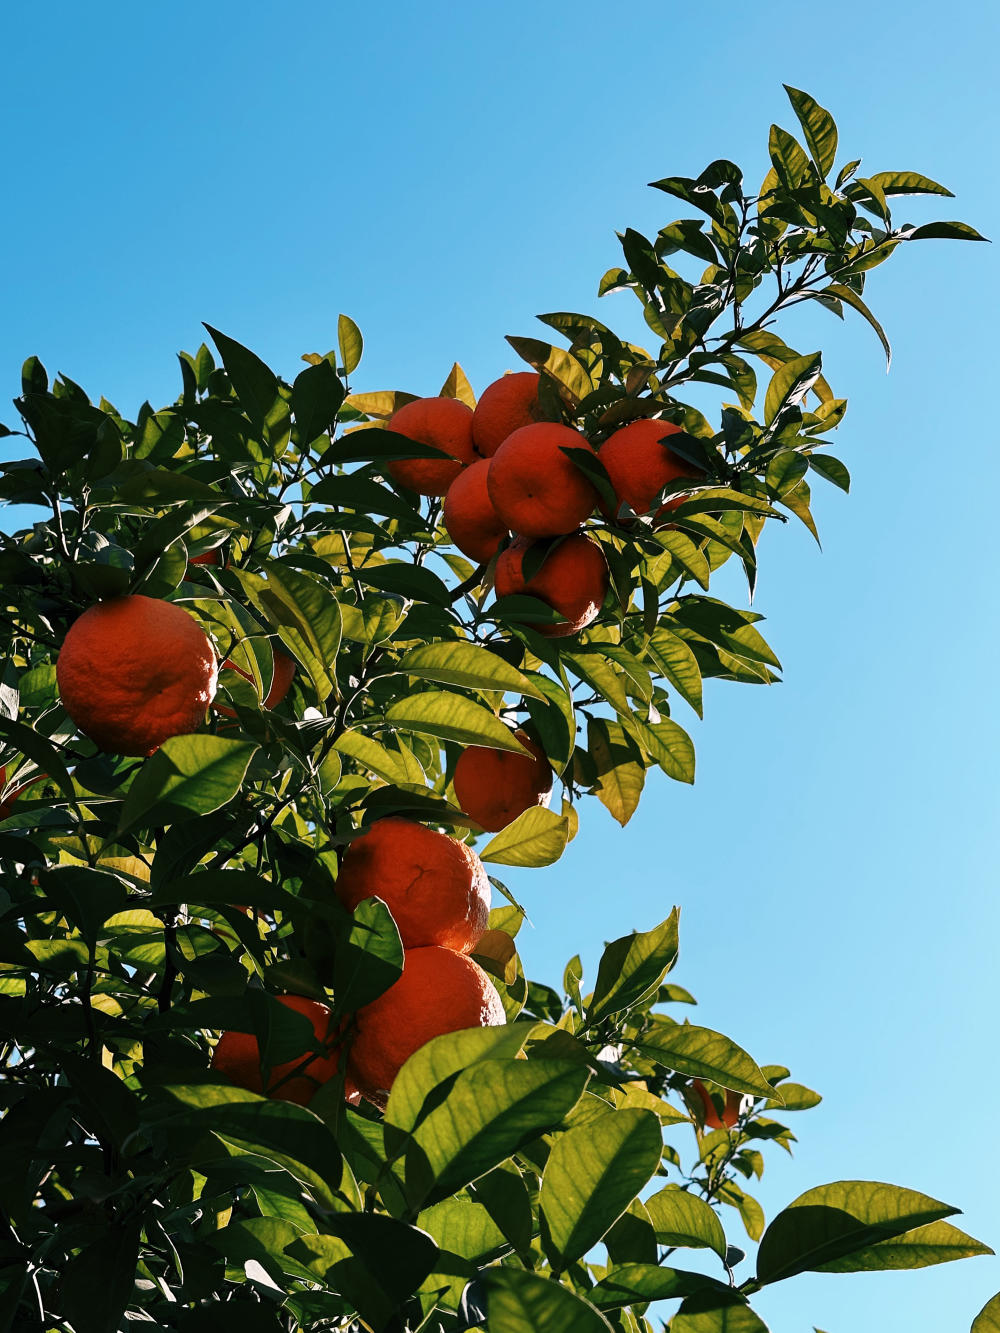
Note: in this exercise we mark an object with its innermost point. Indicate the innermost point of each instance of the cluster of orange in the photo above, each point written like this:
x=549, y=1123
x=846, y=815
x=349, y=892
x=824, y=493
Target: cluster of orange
x=511, y=476
x=439, y=895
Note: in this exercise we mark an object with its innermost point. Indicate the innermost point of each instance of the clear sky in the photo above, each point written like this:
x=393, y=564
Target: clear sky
x=444, y=172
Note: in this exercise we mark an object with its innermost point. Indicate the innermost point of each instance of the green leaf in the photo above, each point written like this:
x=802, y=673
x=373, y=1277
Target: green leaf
x=491, y=1110
x=620, y=775
x=444, y=1056
x=678, y=663
x=829, y=1223
x=592, y=1175
x=850, y=297
x=702, y=1053
x=790, y=383
x=667, y=744
x=352, y=1258
x=935, y=1243
x=255, y=383
x=463, y=1227
x=789, y=161
x=907, y=182
x=817, y=126
x=97, y=1284
x=403, y=579
x=455, y=662
x=397, y=766
x=684, y=1219
x=560, y=365
x=988, y=1318
x=943, y=231
x=785, y=470
x=720, y=1312
x=683, y=187
x=370, y=959
x=537, y=837
x=634, y=1284
x=795, y=1097
x=350, y=342
x=452, y=717
x=288, y=1135
x=831, y=469
x=305, y=614
x=632, y=968
x=188, y=775
x=377, y=444
x=687, y=554
x=521, y=1302
x=316, y=398
x=39, y=747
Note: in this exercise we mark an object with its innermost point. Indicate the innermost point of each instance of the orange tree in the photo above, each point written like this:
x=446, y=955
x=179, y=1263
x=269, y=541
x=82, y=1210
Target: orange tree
x=591, y=1155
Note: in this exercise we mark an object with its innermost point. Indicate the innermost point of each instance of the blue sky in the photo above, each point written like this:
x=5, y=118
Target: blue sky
x=442, y=173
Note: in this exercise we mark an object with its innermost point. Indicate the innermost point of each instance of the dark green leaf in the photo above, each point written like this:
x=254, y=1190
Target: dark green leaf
x=316, y=398
x=988, y=1318
x=829, y=1223
x=305, y=614
x=255, y=383
x=97, y=1283
x=633, y=967
x=634, y=1284
x=789, y=161
x=943, y=231
x=790, y=383
x=716, y=1312
x=935, y=1243
x=187, y=776
x=520, y=1302
x=369, y=959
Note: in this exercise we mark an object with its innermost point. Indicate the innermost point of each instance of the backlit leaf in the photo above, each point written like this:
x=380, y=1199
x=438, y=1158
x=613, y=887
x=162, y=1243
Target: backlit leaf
x=702, y=1053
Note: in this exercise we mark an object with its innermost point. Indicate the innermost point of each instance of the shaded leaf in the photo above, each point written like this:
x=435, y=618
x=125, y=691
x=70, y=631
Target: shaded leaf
x=521, y=1302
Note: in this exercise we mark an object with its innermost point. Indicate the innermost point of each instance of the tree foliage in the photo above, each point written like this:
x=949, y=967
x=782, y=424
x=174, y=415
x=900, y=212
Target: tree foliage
x=547, y=1175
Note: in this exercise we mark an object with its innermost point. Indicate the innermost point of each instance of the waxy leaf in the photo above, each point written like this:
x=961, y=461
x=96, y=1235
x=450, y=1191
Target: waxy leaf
x=592, y=1175
x=521, y=1302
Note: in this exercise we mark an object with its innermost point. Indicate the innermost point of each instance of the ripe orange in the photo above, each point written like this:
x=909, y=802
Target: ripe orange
x=573, y=580
x=281, y=681
x=731, y=1112
x=469, y=516
x=134, y=671
x=640, y=466
x=237, y=1055
x=435, y=887
x=535, y=488
x=493, y=787
x=438, y=991
x=504, y=407
x=445, y=423
x=212, y=557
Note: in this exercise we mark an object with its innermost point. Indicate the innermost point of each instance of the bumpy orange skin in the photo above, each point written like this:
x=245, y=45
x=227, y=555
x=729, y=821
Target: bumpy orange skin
x=493, y=787
x=573, y=581
x=730, y=1114
x=237, y=1055
x=536, y=489
x=439, y=991
x=135, y=671
x=504, y=407
x=472, y=522
x=435, y=887
x=640, y=466
x=444, y=423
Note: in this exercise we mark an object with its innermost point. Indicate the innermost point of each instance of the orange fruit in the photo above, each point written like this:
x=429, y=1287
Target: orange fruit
x=445, y=423
x=7, y=804
x=504, y=407
x=493, y=787
x=535, y=488
x=640, y=466
x=438, y=991
x=712, y=1119
x=237, y=1055
x=213, y=557
x=469, y=516
x=134, y=671
x=573, y=581
x=435, y=887
x=282, y=676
